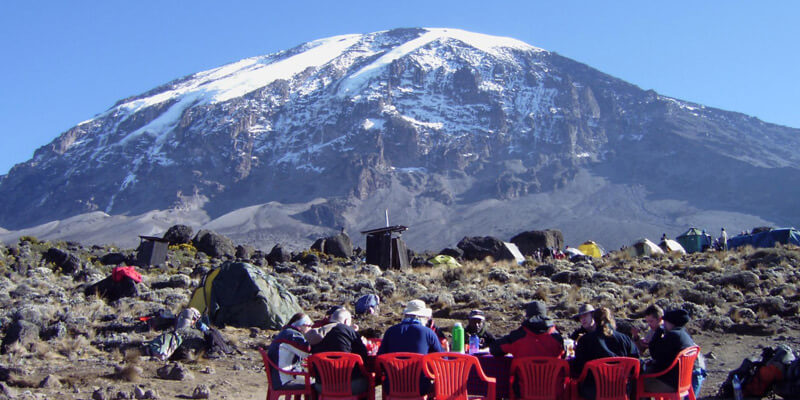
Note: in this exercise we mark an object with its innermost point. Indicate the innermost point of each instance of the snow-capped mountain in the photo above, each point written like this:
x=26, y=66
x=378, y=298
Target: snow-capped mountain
x=446, y=128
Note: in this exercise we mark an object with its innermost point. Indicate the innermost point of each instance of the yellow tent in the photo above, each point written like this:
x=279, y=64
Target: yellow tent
x=592, y=249
x=444, y=260
x=202, y=295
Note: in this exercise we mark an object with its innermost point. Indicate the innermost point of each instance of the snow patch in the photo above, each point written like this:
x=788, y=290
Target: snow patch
x=494, y=45
x=431, y=125
x=235, y=80
x=681, y=104
x=370, y=123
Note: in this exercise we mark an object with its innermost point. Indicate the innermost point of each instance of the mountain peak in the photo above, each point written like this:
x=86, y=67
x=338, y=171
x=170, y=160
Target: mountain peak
x=440, y=123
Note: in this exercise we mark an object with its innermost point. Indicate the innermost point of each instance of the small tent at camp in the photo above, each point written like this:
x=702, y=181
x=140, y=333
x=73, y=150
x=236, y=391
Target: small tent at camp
x=573, y=252
x=671, y=246
x=644, y=247
x=444, y=260
x=766, y=238
x=241, y=295
x=591, y=249
x=694, y=240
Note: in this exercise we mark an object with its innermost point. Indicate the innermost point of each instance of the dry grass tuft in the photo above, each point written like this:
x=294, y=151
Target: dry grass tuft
x=129, y=373
x=541, y=293
x=73, y=347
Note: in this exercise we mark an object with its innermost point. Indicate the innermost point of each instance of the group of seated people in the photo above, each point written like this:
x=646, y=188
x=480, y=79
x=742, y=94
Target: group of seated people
x=537, y=336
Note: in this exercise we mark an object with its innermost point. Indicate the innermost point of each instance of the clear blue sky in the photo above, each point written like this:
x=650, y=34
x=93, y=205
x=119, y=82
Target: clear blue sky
x=63, y=62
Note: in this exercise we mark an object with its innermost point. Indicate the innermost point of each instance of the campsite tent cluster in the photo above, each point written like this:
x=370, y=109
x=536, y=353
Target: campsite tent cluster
x=242, y=295
x=694, y=240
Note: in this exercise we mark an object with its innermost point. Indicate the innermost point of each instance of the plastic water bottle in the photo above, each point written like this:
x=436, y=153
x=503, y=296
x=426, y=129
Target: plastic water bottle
x=474, y=344
x=458, y=338
x=737, y=388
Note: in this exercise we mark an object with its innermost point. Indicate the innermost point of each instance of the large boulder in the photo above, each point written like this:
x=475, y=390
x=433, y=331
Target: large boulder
x=64, y=260
x=530, y=241
x=213, y=244
x=23, y=332
x=115, y=259
x=452, y=252
x=245, y=251
x=112, y=290
x=178, y=234
x=278, y=255
x=338, y=245
x=480, y=247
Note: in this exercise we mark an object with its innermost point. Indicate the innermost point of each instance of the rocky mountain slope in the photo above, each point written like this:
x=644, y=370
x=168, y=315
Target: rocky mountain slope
x=432, y=124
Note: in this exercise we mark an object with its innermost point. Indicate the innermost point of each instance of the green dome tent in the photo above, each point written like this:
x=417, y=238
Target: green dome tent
x=694, y=240
x=241, y=295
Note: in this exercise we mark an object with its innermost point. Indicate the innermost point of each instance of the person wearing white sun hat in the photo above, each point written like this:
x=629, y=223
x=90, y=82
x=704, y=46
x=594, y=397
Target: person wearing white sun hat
x=411, y=335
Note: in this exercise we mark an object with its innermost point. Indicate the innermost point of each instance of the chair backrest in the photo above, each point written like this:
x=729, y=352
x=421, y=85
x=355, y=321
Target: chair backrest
x=540, y=377
x=402, y=370
x=686, y=359
x=268, y=365
x=333, y=371
x=611, y=376
x=450, y=372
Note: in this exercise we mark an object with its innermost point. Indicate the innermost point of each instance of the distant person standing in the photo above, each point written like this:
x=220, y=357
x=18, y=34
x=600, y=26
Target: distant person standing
x=723, y=240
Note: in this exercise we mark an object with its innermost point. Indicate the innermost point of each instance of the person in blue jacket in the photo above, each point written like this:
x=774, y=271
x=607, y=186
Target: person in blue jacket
x=411, y=335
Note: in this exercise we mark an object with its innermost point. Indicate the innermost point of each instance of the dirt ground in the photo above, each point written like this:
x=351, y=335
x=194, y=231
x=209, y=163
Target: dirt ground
x=241, y=376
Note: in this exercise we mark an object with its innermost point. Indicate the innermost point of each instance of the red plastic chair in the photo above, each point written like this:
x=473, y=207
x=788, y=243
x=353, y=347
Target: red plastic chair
x=403, y=370
x=334, y=371
x=539, y=378
x=274, y=394
x=685, y=364
x=450, y=372
x=611, y=376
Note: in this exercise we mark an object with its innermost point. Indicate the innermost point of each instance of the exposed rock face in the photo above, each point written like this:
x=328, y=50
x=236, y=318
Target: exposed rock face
x=478, y=248
x=66, y=261
x=530, y=241
x=178, y=234
x=22, y=332
x=337, y=246
x=213, y=244
x=437, y=114
x=278, y=254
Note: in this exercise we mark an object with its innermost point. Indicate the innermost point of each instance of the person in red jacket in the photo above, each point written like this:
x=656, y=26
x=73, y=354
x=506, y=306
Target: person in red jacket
x=537, y=337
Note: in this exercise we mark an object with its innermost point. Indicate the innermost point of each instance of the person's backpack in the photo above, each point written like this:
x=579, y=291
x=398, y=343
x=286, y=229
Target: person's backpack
x=789, y=388
x=366, y=301
x=163, y=345
x=745, y=372
x=216, y=344
x=758, y=376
